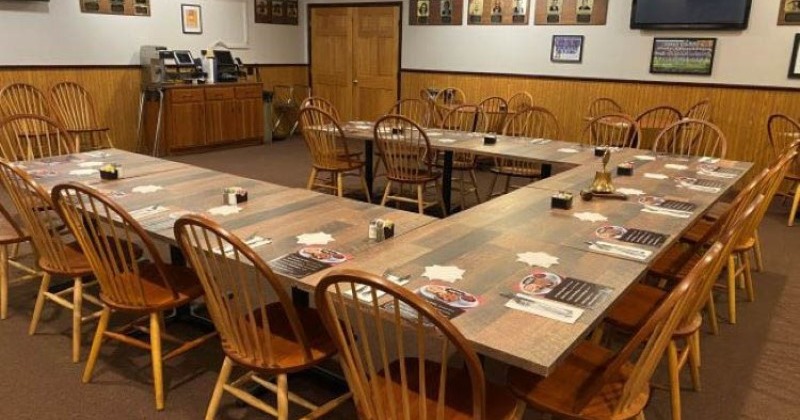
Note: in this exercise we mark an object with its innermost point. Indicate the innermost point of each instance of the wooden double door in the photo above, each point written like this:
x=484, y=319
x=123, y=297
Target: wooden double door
x=355, y=58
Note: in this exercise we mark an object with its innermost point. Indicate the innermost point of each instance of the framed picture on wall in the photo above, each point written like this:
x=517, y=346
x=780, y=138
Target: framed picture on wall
x=567, y=49
x=794, y=65
x=436, y=12
x=191, y=19
x=571, y=12
x=693, y=56
x=789, y=12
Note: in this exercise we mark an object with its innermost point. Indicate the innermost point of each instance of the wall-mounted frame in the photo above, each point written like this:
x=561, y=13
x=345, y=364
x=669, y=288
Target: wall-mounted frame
x=789, y=12
x=498, y=12
x=693, y=56
x=571, y=12
x=192, y=19
x=436, y=12
x=567, y=49
x=794, y=65
x=279, y=12
x=117, y=7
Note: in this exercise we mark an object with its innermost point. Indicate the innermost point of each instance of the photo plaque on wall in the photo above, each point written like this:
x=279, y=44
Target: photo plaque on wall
x=281, y=12
x=683, y=56
x=789, y=12
x=571, y=12
x=436, y=12
x=117, y=7
x=498, y=12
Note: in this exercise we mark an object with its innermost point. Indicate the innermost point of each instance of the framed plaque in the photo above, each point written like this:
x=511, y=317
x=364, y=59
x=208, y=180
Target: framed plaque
x=117, y=7
x=683, y=56
x=571, y=12
x=498, y=12
x=436, y=12
x=794, y=65
x=789, y=13
x=567, y=49
x=281, y=12
x=191, y=19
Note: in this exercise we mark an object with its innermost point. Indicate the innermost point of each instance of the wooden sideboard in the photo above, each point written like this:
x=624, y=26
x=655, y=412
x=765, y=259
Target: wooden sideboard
x=207, y=116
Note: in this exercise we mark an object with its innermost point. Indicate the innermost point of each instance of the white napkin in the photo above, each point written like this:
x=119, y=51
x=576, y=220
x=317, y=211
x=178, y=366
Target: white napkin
x=590, y=217
x=655, y=176
x=539, y=259
x=446, y=141
x=448, y=273
x=91, y=164
x=433, y=133
x=621, y=250
x=645, y=157
x=701, y=188
x=147, y=211
x=567, y=150
x=666, y=212
x=319, y=238
x=254, y=241
x=676, y=167
x=707, y=159
x=224, y=210
x=83, y=172
x=716, y=174
x=145, y=189
x=546, y=308
x=630, y=191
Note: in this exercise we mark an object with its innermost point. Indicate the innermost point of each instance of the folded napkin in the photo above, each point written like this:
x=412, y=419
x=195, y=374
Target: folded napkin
x=655, y=176
x=446, y=273
x=318, y=238
x=539, y=259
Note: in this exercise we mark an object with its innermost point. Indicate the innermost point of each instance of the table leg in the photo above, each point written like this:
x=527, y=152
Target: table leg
x=187, y=313
x=547, y=170
x=447, y=180
x=368, y=158
x=301, y=298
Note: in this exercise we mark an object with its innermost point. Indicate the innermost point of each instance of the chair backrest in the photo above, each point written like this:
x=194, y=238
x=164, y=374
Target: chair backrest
x=22, y=98
x=603, y=106
x=107, y=235
x=699, y=111
x=323, y=104
x=468, y=118
x=371, y=336
x=773, y=183
x=783, y=131
x=496, y=110
x=534, y=122
x=323, y=135
x=236, y=295
x=659, y=117
x=447, y=99
x=26, y=137
x=406, y=154
x=34, y=207
x=692, y=138
x=73, y=106
x=417, y=110
x=519, y=101
x=616, y=130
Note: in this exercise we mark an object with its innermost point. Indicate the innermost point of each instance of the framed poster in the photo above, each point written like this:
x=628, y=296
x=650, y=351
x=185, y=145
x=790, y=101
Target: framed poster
x=567, y=49
x=794, y=65
x=191, y=19
x=498, y=12
x=571, y=12
x=789, y=12
x=281, y=12
x=683, y=56
x=436, y=12
x=117, y=7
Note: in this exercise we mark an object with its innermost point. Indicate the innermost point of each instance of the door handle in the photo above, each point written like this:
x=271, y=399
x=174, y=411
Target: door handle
x=355, y=81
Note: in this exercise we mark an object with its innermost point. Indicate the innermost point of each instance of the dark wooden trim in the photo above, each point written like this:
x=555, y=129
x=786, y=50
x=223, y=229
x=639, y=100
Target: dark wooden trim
x=604, y=80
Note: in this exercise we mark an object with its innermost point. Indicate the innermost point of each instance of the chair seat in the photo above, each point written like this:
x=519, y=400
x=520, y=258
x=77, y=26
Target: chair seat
x=518, y=171
x=77, y=264
x=559, y=392
x=158, y=297
x=423, y=177
x=9, y=235
x=635, y=307
x=698, y=231
x=792, y=177
x=500, y=402
x=745, y=245
x=339, y=165
x=674, y=263
x=288, y=355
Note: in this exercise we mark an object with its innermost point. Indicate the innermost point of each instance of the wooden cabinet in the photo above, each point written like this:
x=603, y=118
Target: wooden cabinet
x=214, y=115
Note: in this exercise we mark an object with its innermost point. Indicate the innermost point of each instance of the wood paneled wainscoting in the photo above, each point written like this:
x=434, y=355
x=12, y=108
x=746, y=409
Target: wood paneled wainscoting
x=115, y=89
x=740, y=111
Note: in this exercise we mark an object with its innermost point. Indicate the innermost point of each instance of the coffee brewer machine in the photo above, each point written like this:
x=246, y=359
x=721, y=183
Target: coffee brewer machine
x=162, y=66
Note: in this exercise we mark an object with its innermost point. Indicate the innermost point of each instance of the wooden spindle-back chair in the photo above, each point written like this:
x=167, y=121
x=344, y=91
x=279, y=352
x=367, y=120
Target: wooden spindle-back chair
x=58, y=256
x=532, y=122
x=692, y=138
x=445, y=100
x=10, y=235
x=519, y=101
x=417, y=110
x=22, y=98
x=395, y=354
x=323, y=104
x=27, y=137
x=603, y=106
x=257, y=333
x=108, y=236
x=409, y=159
x=75, y=109
x=655, y=119
x=700, y=111
x=496, y=110
x=612, y=130
x=329, y=152
x=783, y=131
x=471, y=119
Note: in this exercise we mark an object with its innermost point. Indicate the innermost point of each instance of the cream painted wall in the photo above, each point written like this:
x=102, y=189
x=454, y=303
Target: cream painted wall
x=758, y=56
x=57, y=33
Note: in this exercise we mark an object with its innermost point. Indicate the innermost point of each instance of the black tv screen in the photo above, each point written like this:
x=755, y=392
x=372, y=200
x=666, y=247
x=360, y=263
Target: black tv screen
x=690, y=14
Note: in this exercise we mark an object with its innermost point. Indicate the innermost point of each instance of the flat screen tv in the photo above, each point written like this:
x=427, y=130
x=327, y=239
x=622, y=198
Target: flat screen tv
x=690, y=14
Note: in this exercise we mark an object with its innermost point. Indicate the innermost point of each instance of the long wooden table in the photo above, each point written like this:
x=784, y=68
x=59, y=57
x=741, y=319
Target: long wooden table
x=484, y=241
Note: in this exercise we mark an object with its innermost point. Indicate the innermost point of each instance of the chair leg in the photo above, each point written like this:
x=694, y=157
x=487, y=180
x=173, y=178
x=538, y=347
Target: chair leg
x=674, y=380
x=37, y=308
x=340, y=184
x=77, y=306
x=386, y=192
x=748, y=278
x=795, y=205
x=155, y=353
x=757, y=253
x=311, y=179
x=283, y=397
x=3, y=282
x=732, y=289
x=420, y=199
x=475, y=185
x=693, y=343
x=711, y=307
x=216, y=396
x=102, y=325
